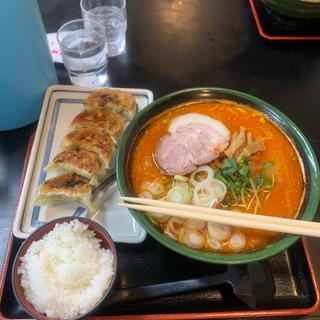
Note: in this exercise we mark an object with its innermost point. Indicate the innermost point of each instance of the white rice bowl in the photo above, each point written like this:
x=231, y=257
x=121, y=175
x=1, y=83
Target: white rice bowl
x=66, y=273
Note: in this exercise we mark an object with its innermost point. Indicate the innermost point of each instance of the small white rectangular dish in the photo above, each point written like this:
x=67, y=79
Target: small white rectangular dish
x=60, y=106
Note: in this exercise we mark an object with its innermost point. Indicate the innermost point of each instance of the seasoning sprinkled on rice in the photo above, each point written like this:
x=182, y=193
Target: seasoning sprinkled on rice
x=66, y=273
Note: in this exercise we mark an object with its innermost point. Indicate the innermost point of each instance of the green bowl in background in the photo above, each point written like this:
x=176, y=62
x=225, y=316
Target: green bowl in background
x=301, y=9
x=303, y=147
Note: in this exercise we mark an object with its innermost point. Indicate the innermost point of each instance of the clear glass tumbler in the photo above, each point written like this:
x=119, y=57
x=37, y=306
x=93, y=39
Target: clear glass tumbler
x=113, y=16
x=84, y=51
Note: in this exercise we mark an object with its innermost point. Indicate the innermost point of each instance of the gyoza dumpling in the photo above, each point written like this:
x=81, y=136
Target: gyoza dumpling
x=92, y=139
x=65, y=189
x=105, y=120
x=82, y=162
x=112, y=99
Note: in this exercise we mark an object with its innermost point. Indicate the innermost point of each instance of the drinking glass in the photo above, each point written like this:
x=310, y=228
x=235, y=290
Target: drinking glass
x=113, y=16
x=84, y=50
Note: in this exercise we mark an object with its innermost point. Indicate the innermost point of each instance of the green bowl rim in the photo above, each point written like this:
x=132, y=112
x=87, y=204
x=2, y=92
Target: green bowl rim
x=294, y=9
x=268, y=251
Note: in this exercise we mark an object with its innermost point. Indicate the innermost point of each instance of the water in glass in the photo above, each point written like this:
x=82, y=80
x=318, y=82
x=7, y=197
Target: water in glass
x=115, y=21
x=85, y=57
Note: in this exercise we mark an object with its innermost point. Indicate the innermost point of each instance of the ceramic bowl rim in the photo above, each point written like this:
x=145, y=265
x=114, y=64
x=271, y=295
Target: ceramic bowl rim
x=264, y=253
x=27, y=242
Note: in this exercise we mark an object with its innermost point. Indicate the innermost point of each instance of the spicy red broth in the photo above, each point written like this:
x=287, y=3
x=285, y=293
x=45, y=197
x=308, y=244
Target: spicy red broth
x=288, y=189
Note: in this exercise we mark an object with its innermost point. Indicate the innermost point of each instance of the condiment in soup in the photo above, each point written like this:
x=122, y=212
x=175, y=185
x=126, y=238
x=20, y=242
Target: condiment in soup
x=217, y=154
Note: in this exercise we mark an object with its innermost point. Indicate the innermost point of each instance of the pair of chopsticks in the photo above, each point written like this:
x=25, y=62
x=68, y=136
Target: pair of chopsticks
x=233, y=218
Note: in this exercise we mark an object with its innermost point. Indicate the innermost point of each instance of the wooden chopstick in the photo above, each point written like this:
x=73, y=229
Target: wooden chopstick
x=221, y=212
x=229, y=221
x=233, y=218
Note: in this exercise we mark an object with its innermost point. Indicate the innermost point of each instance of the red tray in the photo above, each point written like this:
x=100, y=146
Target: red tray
x=9, y=299
x=278, y=33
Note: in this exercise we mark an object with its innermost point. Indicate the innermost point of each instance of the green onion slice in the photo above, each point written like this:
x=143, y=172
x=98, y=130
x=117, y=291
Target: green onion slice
x=178, y=195
x=181, y=178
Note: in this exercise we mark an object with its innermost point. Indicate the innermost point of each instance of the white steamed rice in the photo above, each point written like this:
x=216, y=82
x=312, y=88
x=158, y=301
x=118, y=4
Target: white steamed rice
x=66, y=273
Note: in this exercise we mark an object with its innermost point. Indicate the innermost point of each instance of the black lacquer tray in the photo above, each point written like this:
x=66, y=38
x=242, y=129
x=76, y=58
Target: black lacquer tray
x=150, y=263
x=273, y=26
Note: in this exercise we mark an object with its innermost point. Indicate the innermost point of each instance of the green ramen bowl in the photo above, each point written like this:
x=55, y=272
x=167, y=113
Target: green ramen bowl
x=308, y=160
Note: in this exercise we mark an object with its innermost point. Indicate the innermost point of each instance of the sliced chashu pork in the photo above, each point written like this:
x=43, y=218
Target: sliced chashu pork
x=171, y=155
x=194, y=139
x=212, y=134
